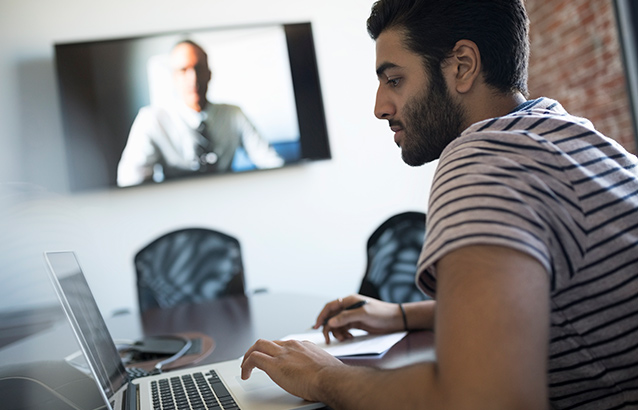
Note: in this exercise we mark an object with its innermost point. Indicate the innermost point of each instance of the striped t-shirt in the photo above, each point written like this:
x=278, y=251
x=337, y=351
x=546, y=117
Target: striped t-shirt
x=548, y=184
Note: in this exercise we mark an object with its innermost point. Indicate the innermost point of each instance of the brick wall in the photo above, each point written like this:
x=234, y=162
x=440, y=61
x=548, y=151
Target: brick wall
x=576, y=59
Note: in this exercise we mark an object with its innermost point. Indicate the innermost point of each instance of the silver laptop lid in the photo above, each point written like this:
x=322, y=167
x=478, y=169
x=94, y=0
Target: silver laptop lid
x=88, y=324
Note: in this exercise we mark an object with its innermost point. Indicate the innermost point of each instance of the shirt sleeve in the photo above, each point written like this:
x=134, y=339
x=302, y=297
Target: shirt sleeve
x=260, y=152
x=486, y=196
x=140, y=154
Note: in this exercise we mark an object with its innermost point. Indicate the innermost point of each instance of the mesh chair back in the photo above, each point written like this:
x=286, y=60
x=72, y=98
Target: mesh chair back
x=393, y=251
x=188, y=265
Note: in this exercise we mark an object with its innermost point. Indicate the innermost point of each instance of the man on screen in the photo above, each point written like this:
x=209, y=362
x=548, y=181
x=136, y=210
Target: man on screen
x=192, y=135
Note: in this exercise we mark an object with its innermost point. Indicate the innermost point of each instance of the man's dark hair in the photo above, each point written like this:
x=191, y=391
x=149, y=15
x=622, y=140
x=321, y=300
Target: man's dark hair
x=432, y=27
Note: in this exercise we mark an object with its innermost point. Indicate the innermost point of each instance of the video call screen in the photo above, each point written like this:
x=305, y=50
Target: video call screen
x=267, y=73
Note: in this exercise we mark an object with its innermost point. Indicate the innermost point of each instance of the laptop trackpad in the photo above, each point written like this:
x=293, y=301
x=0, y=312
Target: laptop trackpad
x=260, y=392
x=258, y=380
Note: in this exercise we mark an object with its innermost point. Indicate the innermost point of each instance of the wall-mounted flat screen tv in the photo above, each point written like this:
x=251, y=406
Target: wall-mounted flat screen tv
x=162, y=107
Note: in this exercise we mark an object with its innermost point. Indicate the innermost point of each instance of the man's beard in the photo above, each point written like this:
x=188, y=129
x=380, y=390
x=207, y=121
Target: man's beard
x=431, y=121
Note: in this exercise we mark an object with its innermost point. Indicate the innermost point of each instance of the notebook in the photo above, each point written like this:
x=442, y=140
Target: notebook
x=216, y=386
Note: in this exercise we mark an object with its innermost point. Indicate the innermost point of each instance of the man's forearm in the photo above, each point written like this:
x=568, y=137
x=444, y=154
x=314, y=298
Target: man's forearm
x=420, y=315
x=419, y=386
x=354, y=387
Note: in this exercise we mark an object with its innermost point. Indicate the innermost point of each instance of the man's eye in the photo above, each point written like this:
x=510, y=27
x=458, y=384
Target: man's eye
x=394, y=82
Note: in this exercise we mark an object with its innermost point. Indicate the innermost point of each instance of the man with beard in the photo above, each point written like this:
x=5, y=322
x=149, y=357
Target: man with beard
x=532, y=233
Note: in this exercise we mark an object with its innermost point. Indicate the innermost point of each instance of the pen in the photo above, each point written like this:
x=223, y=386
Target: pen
x=355, y=305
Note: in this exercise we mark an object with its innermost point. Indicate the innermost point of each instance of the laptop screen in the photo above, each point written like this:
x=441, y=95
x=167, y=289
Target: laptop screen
x=87, y=321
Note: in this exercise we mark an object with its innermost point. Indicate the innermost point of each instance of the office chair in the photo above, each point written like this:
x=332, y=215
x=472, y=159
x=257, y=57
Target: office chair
x=188, y=265
x=393, y=251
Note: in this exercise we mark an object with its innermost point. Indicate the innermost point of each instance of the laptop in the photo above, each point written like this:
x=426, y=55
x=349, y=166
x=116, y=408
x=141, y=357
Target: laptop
x=215, y=386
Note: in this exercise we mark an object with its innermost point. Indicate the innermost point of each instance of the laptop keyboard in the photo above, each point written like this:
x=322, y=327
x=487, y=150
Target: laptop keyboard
x=136, y=373
x=197, y=391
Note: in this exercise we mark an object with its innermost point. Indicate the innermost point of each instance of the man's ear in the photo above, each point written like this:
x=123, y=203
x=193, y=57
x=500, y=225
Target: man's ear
x=465, y=63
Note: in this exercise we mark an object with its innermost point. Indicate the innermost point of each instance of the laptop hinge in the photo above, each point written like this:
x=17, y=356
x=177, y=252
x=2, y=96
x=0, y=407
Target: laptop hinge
x=131, y=401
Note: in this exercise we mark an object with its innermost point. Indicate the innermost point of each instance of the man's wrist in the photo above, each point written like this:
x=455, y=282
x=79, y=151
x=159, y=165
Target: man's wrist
x=334, y=384
x=327, y=384
x=419, y=315
x=404, y=317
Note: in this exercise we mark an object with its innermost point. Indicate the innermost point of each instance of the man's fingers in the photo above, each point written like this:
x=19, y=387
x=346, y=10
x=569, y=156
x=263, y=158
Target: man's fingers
x=254, y=359
x=335, y=307
x=346, y=318
x=265, y=346
x=342, y=334
x=329, y=310
x=258, y=355
x=326, y=334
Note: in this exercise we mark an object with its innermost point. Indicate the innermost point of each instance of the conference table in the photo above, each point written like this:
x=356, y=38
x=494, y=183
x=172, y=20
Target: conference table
x=236, y=322
x=233, y=323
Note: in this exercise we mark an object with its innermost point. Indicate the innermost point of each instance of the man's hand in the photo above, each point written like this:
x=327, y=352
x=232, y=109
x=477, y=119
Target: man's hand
x=374, y=316
x=293, y=365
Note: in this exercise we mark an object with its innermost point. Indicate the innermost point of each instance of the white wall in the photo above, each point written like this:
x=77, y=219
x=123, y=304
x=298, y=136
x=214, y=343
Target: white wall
x=302, y=228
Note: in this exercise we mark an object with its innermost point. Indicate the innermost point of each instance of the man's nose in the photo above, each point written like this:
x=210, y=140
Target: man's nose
x=191, y=75
x=383, y=107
